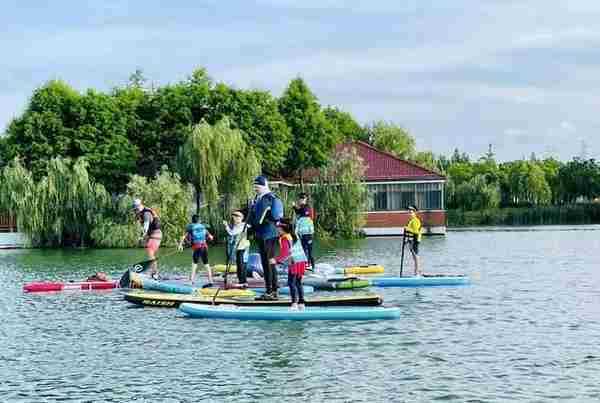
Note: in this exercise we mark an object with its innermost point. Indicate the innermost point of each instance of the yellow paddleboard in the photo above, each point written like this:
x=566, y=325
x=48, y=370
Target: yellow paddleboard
x=210, y=292
x=370, y=269
x=220, y=268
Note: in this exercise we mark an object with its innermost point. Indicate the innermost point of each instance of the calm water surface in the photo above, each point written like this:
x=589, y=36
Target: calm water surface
x=527, y=329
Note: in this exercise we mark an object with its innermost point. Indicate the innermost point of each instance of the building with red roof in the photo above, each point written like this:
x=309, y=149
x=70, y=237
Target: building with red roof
x=393, y=184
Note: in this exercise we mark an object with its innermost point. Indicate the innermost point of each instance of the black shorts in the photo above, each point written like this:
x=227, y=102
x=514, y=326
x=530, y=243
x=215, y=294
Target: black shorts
x=201, y=253
x=414, y=247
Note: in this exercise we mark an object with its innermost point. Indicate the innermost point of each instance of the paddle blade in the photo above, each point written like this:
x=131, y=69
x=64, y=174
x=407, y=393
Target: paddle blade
x=124, y=281
x=141, y=267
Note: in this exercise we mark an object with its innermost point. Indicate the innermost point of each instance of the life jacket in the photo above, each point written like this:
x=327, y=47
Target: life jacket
x=197, y=233
x=305, y=226
x=297, y=251
x=155, y=223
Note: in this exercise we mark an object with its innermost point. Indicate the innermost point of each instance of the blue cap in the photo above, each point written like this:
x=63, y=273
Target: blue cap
x=260, y=180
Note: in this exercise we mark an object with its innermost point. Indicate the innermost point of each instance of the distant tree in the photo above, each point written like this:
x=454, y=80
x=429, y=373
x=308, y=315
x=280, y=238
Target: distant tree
x=344, y=124
x=457, y=157
x=393, y=139
x=477, y=194
x=137, y=79
x=217, y=161
x=426, y=159
x=313, y=137
x=59, y=122
x=257, y=115
x=579, y=178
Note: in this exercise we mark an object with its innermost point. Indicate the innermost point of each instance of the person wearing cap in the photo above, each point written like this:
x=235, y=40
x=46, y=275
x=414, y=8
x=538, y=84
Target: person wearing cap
x=198, y=235
x=265, y=212
x=152, y=234
x=305, y=227
x=237, y=245
x=413, y=232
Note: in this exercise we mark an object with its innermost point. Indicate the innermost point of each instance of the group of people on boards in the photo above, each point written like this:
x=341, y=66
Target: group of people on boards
x=280, y=241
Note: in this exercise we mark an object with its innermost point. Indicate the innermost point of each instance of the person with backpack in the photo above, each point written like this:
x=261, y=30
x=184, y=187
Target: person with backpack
x=265, y=212
x=305, y=227
x=151, y=233
x=198, y=235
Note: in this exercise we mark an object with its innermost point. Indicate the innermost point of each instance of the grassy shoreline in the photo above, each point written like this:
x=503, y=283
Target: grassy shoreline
x=542, y=215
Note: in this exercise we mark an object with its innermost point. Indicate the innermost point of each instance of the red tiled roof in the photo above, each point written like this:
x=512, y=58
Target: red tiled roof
x=383, y=166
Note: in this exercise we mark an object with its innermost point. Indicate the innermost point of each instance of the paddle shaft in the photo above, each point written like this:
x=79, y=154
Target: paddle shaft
x=402, y=254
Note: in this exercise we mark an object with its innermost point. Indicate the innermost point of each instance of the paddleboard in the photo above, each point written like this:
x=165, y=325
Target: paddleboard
x=427, y=280
x=157, y=299
x=277, y=313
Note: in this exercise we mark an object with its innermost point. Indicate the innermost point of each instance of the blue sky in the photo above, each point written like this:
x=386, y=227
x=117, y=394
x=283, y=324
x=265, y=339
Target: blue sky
x=521, y=75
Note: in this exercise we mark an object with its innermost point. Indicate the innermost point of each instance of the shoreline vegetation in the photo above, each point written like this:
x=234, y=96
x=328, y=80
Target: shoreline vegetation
x=71, y=163
x=572, y=214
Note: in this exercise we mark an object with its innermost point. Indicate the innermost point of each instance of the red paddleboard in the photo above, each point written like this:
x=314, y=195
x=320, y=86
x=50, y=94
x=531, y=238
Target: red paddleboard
x=62, y=286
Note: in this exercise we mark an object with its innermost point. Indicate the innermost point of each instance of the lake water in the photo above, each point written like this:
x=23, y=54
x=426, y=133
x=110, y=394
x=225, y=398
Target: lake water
x=527, y=329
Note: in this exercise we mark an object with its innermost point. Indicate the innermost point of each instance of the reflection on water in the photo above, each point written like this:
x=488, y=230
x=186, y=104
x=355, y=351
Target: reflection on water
x=526, y=330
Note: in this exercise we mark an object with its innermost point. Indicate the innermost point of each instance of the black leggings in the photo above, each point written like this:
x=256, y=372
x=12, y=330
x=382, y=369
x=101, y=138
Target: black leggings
x=241, y=269
x=266, y=248
x=296, y=290
x=307, y=244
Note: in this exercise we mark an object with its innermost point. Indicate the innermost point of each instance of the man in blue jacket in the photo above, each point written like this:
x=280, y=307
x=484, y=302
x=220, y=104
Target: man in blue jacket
x=265, y=212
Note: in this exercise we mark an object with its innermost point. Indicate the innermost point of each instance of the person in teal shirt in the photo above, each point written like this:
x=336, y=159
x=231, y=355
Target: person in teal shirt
x=198, y=236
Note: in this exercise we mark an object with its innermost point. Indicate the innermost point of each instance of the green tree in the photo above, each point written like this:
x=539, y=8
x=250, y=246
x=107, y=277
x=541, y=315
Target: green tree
x=257, y=115
x=579, y=178
x=477, y=194
x=217, y=161
x=313, y=137
x=344, y=125
x=393, y=139
x=59, y=122
x=169, y=197
x=60, y=208
x=340, y=196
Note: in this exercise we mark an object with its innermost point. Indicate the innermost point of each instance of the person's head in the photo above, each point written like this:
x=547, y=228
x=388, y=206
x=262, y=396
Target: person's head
x=303, y=198
x=285, y=226
x=237, y=217
x=195, y=219
x=260, y=184
x=413, y=209
x=137, y=205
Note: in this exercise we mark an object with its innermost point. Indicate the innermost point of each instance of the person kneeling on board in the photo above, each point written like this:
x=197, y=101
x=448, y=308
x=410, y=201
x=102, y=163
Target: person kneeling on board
x=413, y=234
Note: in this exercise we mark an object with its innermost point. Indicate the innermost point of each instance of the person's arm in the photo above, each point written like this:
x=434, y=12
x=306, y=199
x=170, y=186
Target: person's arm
x=276, y=209
x=209, y=236
x=147, y=220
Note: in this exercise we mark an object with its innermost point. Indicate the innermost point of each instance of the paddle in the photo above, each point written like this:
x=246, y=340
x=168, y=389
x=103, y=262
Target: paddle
x=140, y=267
x=402, y=255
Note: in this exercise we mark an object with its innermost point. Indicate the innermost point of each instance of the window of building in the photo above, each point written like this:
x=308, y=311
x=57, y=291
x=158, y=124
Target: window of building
x=398, y=196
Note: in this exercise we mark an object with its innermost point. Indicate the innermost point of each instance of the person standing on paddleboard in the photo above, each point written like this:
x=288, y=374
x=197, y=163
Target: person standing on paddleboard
x=413, y=233
x=305, y=227
x=152, y=234
x=237, y=245
x=265, y=212
x=292, y=256
x=198, y=235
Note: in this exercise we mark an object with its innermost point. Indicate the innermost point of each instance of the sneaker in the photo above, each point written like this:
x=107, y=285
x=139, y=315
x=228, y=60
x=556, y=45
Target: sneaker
x=294, y=307
x=301, y=306
x=243, y=285
x=275, y=296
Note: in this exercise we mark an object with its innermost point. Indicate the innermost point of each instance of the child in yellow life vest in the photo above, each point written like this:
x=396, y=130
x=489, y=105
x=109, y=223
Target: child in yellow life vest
x=413, y=232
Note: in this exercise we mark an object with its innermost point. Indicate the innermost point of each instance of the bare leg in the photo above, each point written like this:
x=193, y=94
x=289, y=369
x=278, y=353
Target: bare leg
x=416, y=263
x=209, y=271
x=193, y=276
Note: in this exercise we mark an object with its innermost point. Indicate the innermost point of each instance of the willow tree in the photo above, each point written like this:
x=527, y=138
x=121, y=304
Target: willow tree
x=218, y=163
x=340, y=195
x=62, y=207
